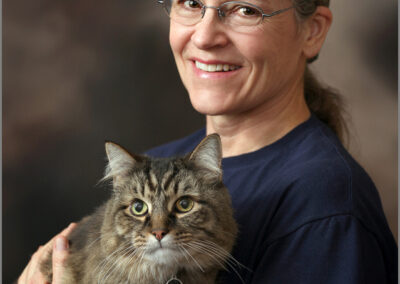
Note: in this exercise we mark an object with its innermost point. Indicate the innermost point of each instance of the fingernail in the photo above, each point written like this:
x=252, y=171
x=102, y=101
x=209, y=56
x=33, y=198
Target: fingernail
x=61, y=244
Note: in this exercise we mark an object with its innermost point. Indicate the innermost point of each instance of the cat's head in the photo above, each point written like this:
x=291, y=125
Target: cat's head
x=172, y=209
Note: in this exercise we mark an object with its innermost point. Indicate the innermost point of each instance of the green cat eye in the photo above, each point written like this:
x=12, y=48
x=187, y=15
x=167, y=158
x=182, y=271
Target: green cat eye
x=139, y=207
x=184, y=204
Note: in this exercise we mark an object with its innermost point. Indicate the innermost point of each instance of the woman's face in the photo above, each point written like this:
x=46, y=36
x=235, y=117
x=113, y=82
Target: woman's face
x=267, y=59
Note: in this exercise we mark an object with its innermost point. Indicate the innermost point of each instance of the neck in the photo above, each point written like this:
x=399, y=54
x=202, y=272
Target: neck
x=251, y=130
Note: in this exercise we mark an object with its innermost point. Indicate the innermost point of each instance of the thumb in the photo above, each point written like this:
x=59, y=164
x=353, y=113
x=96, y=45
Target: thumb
x=60, y=254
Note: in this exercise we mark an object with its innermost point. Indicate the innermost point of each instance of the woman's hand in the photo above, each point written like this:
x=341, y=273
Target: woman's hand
x=59, y=245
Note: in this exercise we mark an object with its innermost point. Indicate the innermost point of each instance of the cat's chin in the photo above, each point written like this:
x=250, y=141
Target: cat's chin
x=163, y=255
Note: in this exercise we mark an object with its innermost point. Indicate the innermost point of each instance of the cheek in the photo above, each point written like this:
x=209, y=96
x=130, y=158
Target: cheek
x=201, y=220
x=125, y=225
x=272, y=54
x=178, y=39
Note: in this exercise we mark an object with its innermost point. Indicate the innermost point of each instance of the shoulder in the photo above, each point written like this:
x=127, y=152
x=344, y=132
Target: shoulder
x=178, y=147
x=321, y=164
x=320, y=179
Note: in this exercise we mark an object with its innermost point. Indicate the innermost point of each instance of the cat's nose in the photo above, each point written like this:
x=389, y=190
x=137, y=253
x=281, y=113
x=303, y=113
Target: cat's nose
x=159, y=233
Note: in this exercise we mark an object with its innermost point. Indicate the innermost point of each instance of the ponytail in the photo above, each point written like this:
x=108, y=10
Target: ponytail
x=326, y=104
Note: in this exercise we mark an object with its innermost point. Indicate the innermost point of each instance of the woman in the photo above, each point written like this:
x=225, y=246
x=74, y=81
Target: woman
x=307, y=212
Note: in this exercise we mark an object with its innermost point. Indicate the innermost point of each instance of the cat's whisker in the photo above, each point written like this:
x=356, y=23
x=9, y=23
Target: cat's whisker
x=105, y=261
x=133, y=256
x=219, y=251
x=137, y=252
x=138, y=256
x=117, y=263
x=143, y=252
x=126, y=262
x=202, y=270
x=184, y=254
x=92, y=243
x=217, y=257
x=222, y=250
x=176, y=260
x=209, y=253
x=223, y=257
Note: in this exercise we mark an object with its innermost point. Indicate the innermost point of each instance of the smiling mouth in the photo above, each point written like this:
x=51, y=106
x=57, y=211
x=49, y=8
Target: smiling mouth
x=215, y=67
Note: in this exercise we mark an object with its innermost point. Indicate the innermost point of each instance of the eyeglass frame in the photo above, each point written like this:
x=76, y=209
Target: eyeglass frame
x=221, y=14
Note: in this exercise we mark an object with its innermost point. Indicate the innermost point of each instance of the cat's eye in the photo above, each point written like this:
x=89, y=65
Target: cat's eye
x=139, y=207
x=184, y=204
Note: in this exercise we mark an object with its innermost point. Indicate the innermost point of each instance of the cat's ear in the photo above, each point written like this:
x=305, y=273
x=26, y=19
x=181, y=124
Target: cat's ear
x=120, y=161
x=208, y=156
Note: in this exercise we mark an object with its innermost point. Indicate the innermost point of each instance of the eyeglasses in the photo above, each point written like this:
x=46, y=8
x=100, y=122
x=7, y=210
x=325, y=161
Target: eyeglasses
x=237, y=14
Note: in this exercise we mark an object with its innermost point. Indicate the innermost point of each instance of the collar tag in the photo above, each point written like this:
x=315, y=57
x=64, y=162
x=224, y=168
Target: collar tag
x=174, y=280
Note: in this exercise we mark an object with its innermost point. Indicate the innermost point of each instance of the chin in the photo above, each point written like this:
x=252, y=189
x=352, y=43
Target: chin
x=163, y=256
x=211, y=110
x=210, y=105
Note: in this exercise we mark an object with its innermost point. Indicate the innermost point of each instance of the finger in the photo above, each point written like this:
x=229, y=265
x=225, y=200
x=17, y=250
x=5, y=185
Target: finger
x=49, y=245
x=31, y=273
x=60, y=254
x=68, y=230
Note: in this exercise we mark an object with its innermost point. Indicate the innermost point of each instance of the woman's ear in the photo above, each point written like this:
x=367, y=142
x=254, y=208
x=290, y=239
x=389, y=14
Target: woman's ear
x=317, y=27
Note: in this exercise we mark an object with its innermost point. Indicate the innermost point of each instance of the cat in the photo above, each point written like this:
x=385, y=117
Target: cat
x=169, y=220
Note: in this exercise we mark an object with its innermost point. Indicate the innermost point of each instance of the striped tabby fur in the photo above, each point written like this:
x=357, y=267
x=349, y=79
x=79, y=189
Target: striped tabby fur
x=115, y=245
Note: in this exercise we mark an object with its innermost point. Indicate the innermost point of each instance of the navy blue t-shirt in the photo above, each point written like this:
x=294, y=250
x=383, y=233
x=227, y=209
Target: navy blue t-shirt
x=306, y=211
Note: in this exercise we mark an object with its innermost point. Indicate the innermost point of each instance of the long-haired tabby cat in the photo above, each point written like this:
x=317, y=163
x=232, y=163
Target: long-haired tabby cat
x=168, y=221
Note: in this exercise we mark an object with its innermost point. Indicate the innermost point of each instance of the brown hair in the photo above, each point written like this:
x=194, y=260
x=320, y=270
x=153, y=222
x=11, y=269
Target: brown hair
x=326, y=103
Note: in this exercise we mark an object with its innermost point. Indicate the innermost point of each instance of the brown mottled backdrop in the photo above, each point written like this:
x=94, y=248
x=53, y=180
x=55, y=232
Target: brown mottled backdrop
x=79, y=72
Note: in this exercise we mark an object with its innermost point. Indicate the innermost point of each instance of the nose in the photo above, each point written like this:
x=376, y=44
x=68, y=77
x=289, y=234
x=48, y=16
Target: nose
x=210, y=31
x=159, y=233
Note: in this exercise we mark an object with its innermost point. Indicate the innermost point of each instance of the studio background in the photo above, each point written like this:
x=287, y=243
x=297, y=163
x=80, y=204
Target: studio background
x=79, y=72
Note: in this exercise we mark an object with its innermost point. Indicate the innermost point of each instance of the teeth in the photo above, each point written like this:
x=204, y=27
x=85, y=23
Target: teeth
x=215, y=67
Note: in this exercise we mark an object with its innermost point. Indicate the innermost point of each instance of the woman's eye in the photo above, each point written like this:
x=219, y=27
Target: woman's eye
x=192, y=4
x=247, y=11
x=139, y=207
x=184, y=205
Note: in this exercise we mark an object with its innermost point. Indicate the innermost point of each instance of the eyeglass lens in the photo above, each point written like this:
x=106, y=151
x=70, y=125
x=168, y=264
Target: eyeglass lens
x=236, y=14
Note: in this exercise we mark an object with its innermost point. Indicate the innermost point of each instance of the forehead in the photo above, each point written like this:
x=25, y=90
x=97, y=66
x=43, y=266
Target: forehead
x=160, y=176
x=168, y=175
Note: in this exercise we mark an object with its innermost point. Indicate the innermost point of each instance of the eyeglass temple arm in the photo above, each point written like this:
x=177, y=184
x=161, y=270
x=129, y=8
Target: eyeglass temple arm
x=272, y=14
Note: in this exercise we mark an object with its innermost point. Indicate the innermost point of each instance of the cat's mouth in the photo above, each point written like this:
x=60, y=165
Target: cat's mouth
x=160, y=247
x=162, y=255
